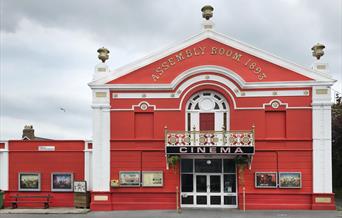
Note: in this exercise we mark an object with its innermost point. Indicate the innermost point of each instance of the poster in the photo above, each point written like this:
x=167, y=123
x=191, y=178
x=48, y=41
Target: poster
x=290, y=180
x=29, y=181
x=152, y=178
x=61, y=182
x=130, y=178
x=266, y=180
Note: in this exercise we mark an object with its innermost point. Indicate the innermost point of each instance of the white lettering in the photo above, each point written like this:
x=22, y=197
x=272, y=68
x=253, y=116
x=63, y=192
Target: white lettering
x=183, y=149
x=238, y=150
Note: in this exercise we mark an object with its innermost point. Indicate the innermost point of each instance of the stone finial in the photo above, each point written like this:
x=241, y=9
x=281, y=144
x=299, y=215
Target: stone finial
x=317, y=50
x=103, y=54
x=207, y=12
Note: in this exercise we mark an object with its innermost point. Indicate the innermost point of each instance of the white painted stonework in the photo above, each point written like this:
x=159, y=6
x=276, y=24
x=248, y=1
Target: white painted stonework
x=207, y=104
x=101, y=142
x=321, y=134
x=88, y=165
x=4, y=167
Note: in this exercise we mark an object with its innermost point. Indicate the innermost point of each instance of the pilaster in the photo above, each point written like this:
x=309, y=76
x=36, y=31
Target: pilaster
x=321, y=134
x=4, y=166
x=101, y=141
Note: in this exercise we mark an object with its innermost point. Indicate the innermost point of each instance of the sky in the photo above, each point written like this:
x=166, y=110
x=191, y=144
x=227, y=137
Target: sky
x=48, y=48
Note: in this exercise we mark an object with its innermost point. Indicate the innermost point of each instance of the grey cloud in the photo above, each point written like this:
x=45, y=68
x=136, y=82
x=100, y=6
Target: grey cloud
x=48, y=48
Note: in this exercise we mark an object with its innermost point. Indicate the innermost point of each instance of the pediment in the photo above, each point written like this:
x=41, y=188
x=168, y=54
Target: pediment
x=209, y=48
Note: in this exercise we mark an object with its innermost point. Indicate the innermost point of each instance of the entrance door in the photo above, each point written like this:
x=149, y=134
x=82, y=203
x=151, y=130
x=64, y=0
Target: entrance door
x=208, y=183
x=208, y=190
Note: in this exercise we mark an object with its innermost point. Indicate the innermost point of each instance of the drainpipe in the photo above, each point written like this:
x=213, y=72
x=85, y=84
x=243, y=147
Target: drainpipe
x=244, y=198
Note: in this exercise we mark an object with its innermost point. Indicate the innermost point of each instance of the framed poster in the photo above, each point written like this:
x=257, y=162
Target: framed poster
x=62, y=182
x=29, y=182
x=129, y=178
x=152, y=178
x=290, y=180
x=266, y=180
x=80, y=186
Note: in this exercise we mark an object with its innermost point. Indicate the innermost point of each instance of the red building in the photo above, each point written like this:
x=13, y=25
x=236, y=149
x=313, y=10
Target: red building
x=210, y=122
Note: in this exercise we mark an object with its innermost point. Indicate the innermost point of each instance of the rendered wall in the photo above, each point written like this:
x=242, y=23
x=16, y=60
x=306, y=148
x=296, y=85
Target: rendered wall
x=24, y=156
x=283, y=144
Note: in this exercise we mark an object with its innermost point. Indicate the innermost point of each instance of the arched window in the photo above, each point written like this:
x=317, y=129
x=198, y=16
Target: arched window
x=207, y=108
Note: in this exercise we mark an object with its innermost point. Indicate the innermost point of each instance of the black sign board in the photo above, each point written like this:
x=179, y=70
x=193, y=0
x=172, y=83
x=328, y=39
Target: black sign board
x=210, y=150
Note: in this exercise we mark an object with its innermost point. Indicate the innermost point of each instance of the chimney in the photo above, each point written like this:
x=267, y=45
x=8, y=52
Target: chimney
x=28, y=133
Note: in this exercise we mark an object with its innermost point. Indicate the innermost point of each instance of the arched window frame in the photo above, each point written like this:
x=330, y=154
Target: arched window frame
x=195, y=106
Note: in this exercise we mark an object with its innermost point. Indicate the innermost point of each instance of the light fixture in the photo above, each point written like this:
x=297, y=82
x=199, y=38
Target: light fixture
x=208, y=162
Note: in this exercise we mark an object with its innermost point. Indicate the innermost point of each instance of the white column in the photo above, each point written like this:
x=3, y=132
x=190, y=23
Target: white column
x=101, y=141
x=88, y=165
x=4, y=167
x=321, y=134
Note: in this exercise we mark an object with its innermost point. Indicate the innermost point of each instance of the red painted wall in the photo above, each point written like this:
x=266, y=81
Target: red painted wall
x=25, y=157
x=134, y=198
x=283, y=143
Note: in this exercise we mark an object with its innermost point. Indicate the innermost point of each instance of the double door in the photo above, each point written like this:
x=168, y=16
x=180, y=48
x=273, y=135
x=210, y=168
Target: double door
x=209, y=189
x=208, y=183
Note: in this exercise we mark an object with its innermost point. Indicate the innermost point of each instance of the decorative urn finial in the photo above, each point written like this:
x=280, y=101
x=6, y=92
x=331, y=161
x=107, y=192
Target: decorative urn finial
x=103, y=54
x=317, y=50
x=207, y=12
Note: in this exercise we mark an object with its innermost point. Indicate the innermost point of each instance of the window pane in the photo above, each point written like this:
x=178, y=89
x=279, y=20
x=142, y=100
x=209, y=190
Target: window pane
x=229, y=183
x=215, y=200
x=201, y=200
x=215, y=184
x=208, y=165
x=201, y=183
x=229, y=200
x=229, y=166
x=187, y=183
x=186, y=165
x=217, y=97
x=188, y=199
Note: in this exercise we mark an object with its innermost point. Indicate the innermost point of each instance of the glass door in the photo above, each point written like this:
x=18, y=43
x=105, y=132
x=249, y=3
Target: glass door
x=208, y=190
x=215, y=190
x=201, y=190
x=208, y=183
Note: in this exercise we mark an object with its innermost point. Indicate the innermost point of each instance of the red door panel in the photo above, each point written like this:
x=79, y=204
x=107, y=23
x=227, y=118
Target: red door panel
x=207, y=121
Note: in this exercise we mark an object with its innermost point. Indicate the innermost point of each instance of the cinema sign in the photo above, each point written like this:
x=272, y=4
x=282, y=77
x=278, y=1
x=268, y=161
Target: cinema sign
x=248, y=150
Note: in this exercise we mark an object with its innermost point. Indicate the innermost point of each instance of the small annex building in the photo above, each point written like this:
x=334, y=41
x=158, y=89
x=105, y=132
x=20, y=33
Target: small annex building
x=210, y=122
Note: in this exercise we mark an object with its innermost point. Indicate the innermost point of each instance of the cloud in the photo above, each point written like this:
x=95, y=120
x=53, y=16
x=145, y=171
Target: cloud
x=48, y=48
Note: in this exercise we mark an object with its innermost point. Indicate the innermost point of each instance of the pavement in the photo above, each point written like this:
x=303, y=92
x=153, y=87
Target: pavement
x=196, y=213
x=56, y=210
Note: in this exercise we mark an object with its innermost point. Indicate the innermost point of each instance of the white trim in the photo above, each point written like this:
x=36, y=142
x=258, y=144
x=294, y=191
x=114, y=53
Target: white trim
x=195, y=113
x=209, y=34
x=181, y=102
x=235, y=89
x=4, y=164
x=88, y=165
x=209, y=69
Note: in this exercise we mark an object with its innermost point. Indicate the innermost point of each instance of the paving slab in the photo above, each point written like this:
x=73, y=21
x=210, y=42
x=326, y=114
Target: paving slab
x=186, y=213
x=56, y=210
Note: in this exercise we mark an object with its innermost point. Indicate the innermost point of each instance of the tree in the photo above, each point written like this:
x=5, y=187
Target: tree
x=337, y=145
